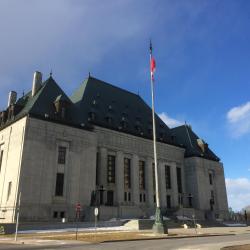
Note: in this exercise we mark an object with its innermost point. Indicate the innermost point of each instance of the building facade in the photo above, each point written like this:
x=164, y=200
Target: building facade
x=95, y=149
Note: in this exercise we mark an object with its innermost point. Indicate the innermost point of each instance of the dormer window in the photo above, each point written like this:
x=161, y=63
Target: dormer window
x=161, y=135
x=92, y=116
x=124, y=124
x=61, y=104
x=138, y=128
x=108, y=119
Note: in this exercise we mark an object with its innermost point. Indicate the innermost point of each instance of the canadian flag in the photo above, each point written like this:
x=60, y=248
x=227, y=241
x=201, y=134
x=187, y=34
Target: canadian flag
x=152, y=67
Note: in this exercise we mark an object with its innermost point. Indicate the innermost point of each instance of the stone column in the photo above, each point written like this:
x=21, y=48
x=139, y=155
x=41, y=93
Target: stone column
x=103, y=159
x=135, y=179
x=174, y=186
x=149, y=182
x=162, y=182
x=119, y=177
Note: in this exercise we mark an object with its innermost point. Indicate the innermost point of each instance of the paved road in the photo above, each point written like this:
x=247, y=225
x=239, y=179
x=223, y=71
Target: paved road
x=208, y=243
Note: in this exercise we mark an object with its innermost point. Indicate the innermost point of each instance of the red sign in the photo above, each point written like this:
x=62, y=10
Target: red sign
x=78, y=207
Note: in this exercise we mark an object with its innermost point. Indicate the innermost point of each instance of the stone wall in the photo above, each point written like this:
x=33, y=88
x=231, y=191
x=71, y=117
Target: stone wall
x=197, y=172
x=11, y=142
x=40, y=166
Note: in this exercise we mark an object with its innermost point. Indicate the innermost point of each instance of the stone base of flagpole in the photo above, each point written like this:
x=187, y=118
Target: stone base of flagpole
x=159, y=226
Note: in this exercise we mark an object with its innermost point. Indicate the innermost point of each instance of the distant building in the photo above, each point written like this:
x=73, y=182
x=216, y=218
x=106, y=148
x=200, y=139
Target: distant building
x=95, y=148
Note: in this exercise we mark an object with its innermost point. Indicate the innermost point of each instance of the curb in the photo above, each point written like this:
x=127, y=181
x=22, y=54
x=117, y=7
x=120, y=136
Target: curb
x=170, y=237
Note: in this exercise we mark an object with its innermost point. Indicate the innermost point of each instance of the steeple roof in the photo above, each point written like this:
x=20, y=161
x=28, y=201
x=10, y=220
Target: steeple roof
x=42, y=103
x=186, y=136
x=106, y=105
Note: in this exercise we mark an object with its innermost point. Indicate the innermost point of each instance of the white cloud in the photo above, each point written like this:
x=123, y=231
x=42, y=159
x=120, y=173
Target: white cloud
x=239, y=119
x=238, y=191
x=171, y=122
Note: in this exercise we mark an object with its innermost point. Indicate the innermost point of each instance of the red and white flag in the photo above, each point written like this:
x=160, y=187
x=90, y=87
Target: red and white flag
x=152, y=63
x=152, y=67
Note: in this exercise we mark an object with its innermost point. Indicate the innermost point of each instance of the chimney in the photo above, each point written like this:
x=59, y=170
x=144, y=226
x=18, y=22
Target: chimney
x=12, y=98
x=37, y=82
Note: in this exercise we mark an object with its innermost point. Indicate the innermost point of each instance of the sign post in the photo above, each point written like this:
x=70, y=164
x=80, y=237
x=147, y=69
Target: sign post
x=17, y=217
x=96, y=212
x=78, y=211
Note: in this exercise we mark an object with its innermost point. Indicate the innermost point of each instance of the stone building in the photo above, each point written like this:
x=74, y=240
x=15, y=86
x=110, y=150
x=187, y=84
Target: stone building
x=95, y=148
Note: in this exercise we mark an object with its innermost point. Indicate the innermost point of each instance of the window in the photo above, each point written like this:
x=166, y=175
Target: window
x=190, y=200
x=55, y=214
x=1, y=159
x=212, y=201
x=109, y=119
x=111, y=169
x=62, y=214
x=61, y=155
x=9, y=190
x=92, y=116
x=142, y=175
x=167, y=177
x=142, y=197
x=125, y=196
x=168, y=201
x=153, y=174
x=127, y=173
x=59, y=184
x=179, y=180
x=210, y=178
x=110, y=198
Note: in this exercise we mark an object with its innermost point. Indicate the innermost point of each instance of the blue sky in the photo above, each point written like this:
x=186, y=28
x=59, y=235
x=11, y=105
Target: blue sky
x=201, y=48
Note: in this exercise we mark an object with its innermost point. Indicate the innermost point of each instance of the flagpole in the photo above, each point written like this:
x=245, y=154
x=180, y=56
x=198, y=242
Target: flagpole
x=158, y=226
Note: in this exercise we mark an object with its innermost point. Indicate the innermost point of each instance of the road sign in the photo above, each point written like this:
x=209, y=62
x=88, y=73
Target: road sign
x=96, y=211
x=78, y=207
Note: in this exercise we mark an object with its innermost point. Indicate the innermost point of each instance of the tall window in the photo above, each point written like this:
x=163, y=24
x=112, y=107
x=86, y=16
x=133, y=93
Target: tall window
x=167, y=177
x=9, y=190
x=59, y=184
x=127, y=173
x=179, y=180
x=168, y=201
x=1, y=159
x=153, y=174
x=190, y=200
x=210, y=178
x=61, y=155
x=142, y=175
x=111, y=169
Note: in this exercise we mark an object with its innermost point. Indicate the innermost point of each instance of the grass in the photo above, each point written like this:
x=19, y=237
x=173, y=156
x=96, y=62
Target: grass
x=92, y=236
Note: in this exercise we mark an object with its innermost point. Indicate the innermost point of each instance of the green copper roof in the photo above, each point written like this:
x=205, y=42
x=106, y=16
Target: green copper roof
x=99, y=103
x=106, y=105
x=185, y=135
x=42, y=102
